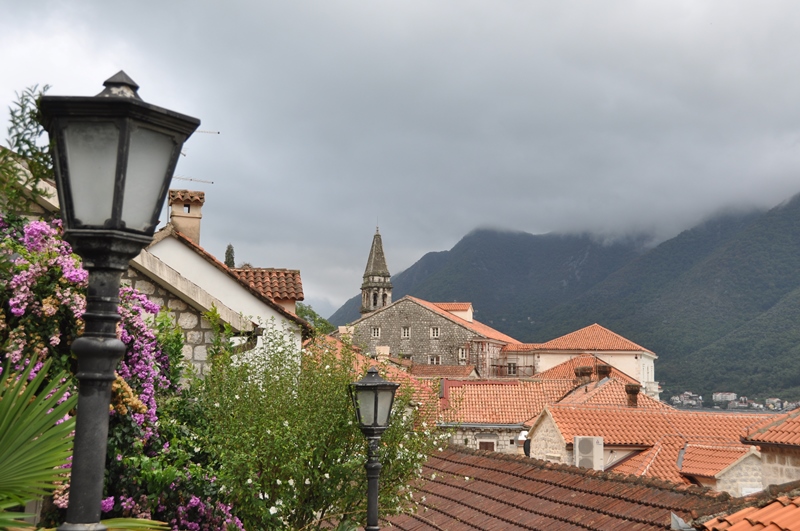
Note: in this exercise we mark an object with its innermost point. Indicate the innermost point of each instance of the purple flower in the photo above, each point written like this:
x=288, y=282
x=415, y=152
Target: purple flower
x=107, y=505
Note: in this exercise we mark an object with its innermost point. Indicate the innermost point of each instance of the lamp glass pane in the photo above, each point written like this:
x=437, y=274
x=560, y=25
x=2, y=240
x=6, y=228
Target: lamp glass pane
x=92, y=164
x=384, y=406
x=148, y=159
x=366, y=406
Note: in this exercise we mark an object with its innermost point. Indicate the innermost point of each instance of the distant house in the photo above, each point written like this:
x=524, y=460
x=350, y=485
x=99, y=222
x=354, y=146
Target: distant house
x=680, y=446
x=612, y=348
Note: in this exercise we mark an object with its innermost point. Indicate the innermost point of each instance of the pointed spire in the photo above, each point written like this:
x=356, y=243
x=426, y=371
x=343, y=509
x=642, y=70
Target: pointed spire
x=376, y=263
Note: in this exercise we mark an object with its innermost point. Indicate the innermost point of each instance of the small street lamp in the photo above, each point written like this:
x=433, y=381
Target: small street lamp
x=114, y=158
x=372, y=398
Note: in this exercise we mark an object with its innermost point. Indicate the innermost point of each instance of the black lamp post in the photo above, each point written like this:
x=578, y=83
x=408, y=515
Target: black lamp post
x=114, y=159
x=372, y=398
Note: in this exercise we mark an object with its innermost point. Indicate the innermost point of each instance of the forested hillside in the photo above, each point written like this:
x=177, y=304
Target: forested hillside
x=718, y=303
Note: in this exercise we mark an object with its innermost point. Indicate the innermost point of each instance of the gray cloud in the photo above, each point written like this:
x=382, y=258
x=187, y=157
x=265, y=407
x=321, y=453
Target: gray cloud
x=433, y=118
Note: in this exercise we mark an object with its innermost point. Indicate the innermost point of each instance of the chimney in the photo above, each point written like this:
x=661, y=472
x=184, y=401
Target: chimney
x=382, y=352
x=633, y=394
x=603, y=371
x=583, y=374
x=186, y=212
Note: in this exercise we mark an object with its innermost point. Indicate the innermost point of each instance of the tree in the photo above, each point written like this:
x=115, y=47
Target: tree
x=229, y=260
x=290, y=452
x=320, y=324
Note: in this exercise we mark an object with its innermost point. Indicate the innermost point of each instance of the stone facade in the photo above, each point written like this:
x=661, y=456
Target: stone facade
x=547, y=443
x=504, y=441
x=412, y=331
x=743, y=478
x=197, y=331
x=780, y=465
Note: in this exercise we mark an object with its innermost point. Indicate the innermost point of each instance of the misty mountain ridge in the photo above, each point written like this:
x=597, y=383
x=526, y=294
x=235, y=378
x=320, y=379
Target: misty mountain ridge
x=719, y=303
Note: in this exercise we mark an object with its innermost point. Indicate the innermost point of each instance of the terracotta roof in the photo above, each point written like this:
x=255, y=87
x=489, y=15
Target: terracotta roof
x=498, y=402
x=566, y=370
x=783, y=514
x=593, y=337
x=462, y=489
x=645, y=427
x=521, y=347
x=442, y=371
x=708, y=460
x=454, y=306
x=673, y=458
x=780, y=429
x=277, y=284
x=475, y=326
x=609, y=392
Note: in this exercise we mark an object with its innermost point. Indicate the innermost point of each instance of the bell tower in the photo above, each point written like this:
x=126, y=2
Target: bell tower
x=376, y=290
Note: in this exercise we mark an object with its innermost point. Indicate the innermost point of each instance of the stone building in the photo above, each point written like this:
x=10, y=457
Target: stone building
x=428, y=333
x=779, y=440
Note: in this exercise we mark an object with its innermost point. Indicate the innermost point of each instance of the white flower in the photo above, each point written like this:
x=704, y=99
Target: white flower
x=236, y=397
x=249, y=481
x=278, y=481
x=286, y=423
x=327, y=367
x=440, y=449
x=433, y=476
x=273, y=510
x=308, y=481
x=196, y=449
x=279, y=502
x=216, y=404
x=261, y=495
x=327, y=476
x=423, y=499
x=291, y=482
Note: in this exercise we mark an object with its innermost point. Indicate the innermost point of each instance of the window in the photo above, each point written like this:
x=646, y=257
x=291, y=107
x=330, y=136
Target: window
x=405, y=332
x=512, y=369
x=376, y=331
x=486, y=445
x=462, y=355
x=512, y=442
x=434, y=332
x=434, y=360
x=187, y=209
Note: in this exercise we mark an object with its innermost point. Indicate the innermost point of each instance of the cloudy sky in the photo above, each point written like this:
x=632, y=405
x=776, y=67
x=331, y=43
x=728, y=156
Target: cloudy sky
x=435, y=117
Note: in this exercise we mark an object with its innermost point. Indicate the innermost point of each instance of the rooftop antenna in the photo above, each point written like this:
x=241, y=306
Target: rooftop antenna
x=206, y=131
x=190, y=179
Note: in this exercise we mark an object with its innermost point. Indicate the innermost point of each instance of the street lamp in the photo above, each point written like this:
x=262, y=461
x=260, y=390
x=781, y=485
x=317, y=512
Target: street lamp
x=372, y=398
x=114, y=158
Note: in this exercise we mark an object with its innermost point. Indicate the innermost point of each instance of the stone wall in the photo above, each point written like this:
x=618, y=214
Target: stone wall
x=742, y=479
x=419, y=345
x=505, y=441
x=779, y=465
x=197, y=332
x=547, y=443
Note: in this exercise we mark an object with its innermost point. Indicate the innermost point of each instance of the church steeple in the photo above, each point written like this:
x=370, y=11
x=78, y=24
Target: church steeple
x=376, y=290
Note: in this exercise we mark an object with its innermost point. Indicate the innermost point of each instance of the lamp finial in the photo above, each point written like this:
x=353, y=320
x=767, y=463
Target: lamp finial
x=120, y=85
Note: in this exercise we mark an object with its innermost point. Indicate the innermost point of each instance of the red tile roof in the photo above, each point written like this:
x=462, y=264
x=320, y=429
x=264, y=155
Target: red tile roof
x=186, y=196
x=645, y=427
x=708, y=460
x=783, y=514
x=658, y=461
x=277, y=284
x=521, y=347
x=609, y=392
x=498, y=402
x=593, y=337
x=462, y=489
x=566, y=370
x=475, y=326
x=442, y=371
x=454, y=306
x=780, y=429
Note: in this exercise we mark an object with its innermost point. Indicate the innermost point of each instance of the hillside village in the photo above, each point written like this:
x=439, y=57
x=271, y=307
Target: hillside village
x=589, y=399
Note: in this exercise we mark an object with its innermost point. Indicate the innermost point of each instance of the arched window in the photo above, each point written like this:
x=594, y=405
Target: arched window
x=374, y=300
x=383, y=303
